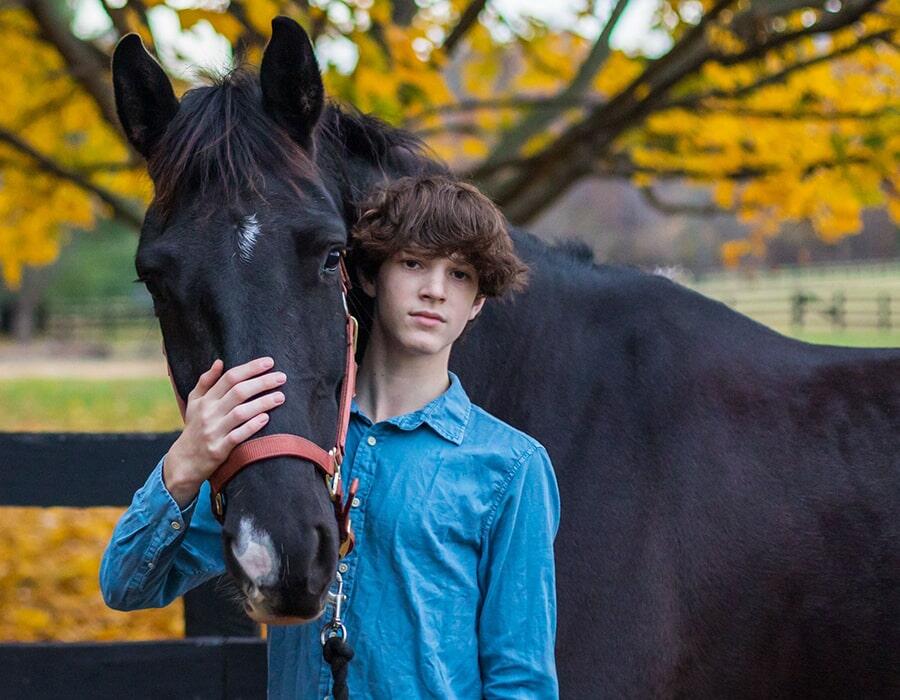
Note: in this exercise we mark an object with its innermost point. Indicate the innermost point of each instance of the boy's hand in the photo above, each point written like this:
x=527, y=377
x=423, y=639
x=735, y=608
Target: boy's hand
x=218, y=417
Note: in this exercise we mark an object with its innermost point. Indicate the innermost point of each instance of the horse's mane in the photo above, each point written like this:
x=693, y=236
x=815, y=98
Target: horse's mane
x=577, y=250
x=373, y=140
x=221, y=141
x=345, y=136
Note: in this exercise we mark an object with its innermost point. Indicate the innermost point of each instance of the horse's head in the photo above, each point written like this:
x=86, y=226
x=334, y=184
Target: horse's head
x=239, y=251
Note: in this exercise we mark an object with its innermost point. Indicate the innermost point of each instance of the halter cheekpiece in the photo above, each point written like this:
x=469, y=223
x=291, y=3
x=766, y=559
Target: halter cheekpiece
x=287, y=444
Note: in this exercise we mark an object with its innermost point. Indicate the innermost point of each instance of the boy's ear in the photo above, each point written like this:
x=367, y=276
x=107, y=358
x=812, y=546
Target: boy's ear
x=368, y=286
x=477, y=305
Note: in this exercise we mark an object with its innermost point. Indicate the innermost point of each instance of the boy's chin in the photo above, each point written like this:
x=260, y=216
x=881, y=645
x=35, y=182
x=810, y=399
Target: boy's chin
x=423, y=347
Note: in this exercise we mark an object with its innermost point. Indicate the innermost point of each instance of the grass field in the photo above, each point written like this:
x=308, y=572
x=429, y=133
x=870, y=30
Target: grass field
x=854, y=338
x=124, y=405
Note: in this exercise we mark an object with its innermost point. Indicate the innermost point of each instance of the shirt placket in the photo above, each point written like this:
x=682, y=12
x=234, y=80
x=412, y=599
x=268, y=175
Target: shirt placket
x=362, y=468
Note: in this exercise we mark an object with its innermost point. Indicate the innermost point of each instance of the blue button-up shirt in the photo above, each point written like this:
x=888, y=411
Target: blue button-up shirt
x=450, y=587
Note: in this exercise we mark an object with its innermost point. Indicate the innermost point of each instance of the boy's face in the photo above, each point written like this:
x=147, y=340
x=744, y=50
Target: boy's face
x=424, y=303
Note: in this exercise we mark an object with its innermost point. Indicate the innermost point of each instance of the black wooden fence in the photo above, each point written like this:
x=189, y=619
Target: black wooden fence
x=222, y=655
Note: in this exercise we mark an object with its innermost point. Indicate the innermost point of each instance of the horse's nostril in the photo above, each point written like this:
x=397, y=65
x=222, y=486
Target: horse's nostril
x=323, y=551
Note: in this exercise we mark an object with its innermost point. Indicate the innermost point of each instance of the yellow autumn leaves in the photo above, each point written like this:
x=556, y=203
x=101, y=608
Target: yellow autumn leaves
x=774, y=142
x=47, y=110
x=49, y=589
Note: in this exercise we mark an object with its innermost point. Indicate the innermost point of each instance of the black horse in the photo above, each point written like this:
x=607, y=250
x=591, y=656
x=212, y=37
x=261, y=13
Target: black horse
x=731, y=497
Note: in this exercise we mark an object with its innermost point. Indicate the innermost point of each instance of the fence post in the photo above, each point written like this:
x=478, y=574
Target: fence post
x=884, y=311
x=798, y=308
x=838, y=310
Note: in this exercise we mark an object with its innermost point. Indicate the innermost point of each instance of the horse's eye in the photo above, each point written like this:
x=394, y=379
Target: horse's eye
x=333, y=260
x=153, y=287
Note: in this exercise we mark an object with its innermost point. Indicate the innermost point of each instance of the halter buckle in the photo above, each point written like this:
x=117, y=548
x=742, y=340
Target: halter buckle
x=334, y=481
x=354, y=332
x=219, y=502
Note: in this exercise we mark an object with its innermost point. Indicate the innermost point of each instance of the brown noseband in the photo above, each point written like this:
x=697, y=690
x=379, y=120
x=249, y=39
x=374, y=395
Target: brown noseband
x=286, y=444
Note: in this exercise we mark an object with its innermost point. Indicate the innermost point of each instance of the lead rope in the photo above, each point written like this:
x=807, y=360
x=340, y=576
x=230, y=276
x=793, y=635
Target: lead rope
x=335, y=649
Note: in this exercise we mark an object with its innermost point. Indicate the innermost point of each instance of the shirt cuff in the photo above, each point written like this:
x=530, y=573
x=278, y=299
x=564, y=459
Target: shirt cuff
x=158, y=499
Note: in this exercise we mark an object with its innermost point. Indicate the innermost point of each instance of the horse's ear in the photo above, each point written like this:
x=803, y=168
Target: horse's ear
x=145, y=100
x=292, y=90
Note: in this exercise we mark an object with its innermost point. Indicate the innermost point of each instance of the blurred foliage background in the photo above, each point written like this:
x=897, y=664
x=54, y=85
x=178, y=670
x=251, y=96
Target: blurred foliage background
x=748, y=133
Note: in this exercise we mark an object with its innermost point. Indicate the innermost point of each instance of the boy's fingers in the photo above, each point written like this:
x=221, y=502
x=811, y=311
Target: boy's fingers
x=208, y=378
x=247, y=411
x=239, y=374
x=241, y=433
x=243, y=391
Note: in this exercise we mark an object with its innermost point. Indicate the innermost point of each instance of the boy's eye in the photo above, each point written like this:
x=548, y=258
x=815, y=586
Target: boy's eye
x=410, y=263
x=461, y=275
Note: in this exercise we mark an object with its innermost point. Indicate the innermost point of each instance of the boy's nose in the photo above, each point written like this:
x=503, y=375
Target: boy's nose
x=435, y=287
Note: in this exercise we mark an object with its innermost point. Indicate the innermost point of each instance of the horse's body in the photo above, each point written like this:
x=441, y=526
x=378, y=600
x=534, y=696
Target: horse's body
x=730, y=497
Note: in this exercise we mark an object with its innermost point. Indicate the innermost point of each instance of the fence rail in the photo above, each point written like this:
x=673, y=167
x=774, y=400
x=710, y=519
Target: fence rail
x=835, y=298
x=223, y=656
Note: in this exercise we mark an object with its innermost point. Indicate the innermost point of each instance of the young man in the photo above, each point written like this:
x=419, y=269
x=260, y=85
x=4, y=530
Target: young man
x=451, y=585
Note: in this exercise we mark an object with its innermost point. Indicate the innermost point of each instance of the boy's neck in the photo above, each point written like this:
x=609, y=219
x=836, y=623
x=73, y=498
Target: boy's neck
x=390, y=383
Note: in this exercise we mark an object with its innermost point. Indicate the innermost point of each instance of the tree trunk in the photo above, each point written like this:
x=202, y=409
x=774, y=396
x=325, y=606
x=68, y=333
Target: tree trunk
x=25, y=308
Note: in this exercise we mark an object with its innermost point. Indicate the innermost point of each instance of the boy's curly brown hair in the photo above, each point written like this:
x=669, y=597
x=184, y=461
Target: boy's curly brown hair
x=442, y=217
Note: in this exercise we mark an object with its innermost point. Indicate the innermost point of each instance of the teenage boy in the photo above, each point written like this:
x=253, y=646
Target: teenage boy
x=451, y=585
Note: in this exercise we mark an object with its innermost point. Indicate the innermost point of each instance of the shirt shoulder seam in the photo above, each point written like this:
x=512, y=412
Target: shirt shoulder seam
x=504, y=486
x=531, y=440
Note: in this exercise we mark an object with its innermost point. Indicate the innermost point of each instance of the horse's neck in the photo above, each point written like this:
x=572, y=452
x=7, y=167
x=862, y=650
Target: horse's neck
x=514, y=348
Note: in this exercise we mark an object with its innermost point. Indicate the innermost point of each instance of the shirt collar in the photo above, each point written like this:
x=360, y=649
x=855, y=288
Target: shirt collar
x=448, y=414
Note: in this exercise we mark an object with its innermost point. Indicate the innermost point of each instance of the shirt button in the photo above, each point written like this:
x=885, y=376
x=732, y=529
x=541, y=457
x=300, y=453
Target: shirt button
x=343, y=568
x=149, y=564
x=355, y=502
x=371, y=440
x=176, y=525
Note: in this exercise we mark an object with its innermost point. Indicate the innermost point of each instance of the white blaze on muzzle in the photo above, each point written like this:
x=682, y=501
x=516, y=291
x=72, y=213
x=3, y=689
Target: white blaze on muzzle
x=256, y=554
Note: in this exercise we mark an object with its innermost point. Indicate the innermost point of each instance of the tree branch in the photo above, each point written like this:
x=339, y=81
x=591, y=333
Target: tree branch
x=118, y=16
x=606, y=117
x=467, y=20
x=81, y=57
x=403, y=11
x=693, y=101
x=534, y=122
x=799, y=115
x=828, y=23
x=654, y=200
x=443, y=129
x=45, y=109
x=526, y=187
x=621, y=166
x=501, y=103
x=120, y=208
x=249, y=37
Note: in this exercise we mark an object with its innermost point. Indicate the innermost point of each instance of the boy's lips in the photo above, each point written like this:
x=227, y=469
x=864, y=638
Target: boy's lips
x=428, y=314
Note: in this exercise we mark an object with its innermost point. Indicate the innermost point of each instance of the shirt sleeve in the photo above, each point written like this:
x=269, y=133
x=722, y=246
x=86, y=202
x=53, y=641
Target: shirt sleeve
x=517, y=619
x=157, y=551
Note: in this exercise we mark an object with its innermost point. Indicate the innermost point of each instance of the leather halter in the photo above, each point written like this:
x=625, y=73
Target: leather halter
x=286, y=444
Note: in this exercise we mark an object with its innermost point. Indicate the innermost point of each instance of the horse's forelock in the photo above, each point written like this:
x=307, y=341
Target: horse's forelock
x=221, y=144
